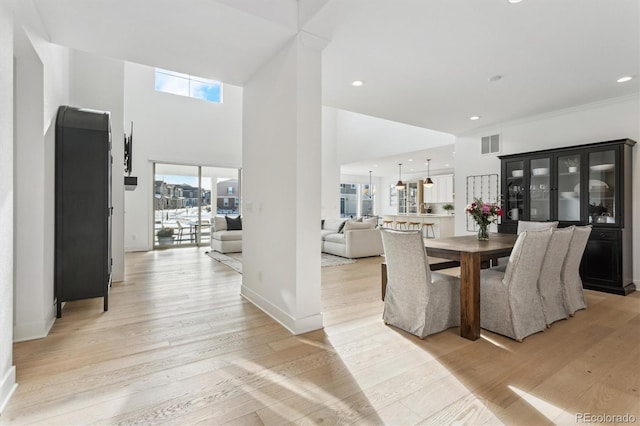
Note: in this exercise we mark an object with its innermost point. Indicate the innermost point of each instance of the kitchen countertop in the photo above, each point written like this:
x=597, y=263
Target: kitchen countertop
x=432, y=215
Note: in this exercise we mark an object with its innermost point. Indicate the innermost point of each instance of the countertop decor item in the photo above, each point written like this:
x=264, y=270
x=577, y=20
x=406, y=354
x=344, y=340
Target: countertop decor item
x=484, y=214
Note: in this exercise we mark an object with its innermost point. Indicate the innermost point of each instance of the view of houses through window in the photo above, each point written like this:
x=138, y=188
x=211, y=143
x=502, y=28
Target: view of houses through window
x=356, y=199
x=186, y=198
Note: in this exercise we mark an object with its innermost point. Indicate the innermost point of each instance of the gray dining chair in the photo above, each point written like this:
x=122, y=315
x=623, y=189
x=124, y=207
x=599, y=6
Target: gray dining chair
x=524, y=225
x=550, y=280
x=510, y=302
x=571, y=281
x=417, y=300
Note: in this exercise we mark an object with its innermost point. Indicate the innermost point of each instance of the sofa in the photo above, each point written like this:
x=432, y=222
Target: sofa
x=352, y=238
x=226, y=234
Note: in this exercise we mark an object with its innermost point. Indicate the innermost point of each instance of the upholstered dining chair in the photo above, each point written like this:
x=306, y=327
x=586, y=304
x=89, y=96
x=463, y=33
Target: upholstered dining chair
x=510, y=301
x=550, y=280
x=417, y=300
x=571, y=281
x=524, y=225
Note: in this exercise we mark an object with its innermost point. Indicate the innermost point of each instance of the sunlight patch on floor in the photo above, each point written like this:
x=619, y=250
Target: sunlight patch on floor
x=545, y=408
x=495, y=342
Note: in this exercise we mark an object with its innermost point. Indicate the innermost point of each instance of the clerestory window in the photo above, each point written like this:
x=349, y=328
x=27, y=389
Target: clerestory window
x=188, y=85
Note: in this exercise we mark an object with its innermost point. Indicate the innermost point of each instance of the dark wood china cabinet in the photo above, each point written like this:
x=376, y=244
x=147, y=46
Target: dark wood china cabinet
x=578, y=185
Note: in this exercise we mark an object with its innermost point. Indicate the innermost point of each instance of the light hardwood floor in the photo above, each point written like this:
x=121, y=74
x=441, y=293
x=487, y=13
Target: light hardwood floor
x=180, y=346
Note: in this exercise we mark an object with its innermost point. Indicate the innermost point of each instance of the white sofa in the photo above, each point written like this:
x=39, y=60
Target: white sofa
x=224, y=240
x=354, y=239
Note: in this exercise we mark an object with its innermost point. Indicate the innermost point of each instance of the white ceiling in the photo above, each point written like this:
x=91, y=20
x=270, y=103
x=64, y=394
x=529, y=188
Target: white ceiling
x=424, y=63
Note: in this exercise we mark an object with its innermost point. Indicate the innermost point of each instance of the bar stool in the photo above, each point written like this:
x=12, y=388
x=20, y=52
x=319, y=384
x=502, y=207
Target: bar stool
x=386, y=223
x=429, y=225
x=400, y=224
x=415, y=225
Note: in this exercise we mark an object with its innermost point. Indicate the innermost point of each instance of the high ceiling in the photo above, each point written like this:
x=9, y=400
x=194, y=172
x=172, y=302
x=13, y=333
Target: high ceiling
x=427, y=63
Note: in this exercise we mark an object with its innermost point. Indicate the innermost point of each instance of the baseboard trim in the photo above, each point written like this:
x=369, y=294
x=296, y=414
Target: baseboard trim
x=34, y=330
x=8, y=387
x=294, y=325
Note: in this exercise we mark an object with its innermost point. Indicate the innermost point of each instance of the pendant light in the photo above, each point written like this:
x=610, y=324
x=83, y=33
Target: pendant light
x=400, y=185
x=369, y=191
x=428, y=183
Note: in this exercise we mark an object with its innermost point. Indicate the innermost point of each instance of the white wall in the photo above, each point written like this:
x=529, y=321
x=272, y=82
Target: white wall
x=97, y=83
x=173, y=129
x=7, y=370
x=614, y=119
x=360, y=137
x=41, y=84
x=330, y=201
x=352, y=137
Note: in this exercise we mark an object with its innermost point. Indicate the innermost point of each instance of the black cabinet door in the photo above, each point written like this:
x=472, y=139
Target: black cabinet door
x=601, y=267
x=82, y=205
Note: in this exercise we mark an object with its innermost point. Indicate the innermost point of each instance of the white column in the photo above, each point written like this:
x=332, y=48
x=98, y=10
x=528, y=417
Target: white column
x=281, y=183
x=7, y=370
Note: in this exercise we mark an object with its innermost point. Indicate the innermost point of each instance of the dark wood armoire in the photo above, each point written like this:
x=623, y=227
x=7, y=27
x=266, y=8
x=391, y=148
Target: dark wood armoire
x=83, y=208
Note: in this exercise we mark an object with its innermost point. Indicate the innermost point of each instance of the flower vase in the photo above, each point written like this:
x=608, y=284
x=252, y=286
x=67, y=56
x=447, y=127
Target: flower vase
x=483, y=232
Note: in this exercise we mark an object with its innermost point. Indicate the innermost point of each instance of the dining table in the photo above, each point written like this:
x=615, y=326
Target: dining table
x=472, y=254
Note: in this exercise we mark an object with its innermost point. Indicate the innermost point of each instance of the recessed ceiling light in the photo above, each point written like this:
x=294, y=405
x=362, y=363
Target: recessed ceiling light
x=357, y=83
x=375, y=165
x=446, y=165
x=515, y=1
x=410, y=159
x=625, y=79
x=475, y=117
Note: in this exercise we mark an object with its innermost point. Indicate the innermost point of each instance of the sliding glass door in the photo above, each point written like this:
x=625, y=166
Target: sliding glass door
x=186, y=198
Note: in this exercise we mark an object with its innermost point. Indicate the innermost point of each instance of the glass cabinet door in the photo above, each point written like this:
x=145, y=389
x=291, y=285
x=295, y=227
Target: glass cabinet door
x=568, y=193
x=514, y=202
x=402, y=200
x=540, y=190
x=602, y=185
x=412, y=197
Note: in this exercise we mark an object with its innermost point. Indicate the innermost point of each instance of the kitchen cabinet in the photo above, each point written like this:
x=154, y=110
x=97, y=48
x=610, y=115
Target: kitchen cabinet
x=441, y=191
x=410, y=198
x=579, y=185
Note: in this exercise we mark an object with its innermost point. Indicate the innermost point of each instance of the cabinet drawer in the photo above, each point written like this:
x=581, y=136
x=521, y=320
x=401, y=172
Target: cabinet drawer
x=605, y=234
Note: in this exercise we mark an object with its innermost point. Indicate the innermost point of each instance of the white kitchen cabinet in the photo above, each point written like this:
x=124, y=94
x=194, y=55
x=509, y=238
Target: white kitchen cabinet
x=441, y=191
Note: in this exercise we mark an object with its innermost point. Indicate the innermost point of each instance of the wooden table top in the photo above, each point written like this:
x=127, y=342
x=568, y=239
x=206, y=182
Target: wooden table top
x=497, y=243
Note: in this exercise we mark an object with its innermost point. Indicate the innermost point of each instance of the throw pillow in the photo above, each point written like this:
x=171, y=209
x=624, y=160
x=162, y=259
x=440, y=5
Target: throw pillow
x=341, y=227
x=219, y=224
x=233, y=224
x=322, y=224
x=333, y=224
